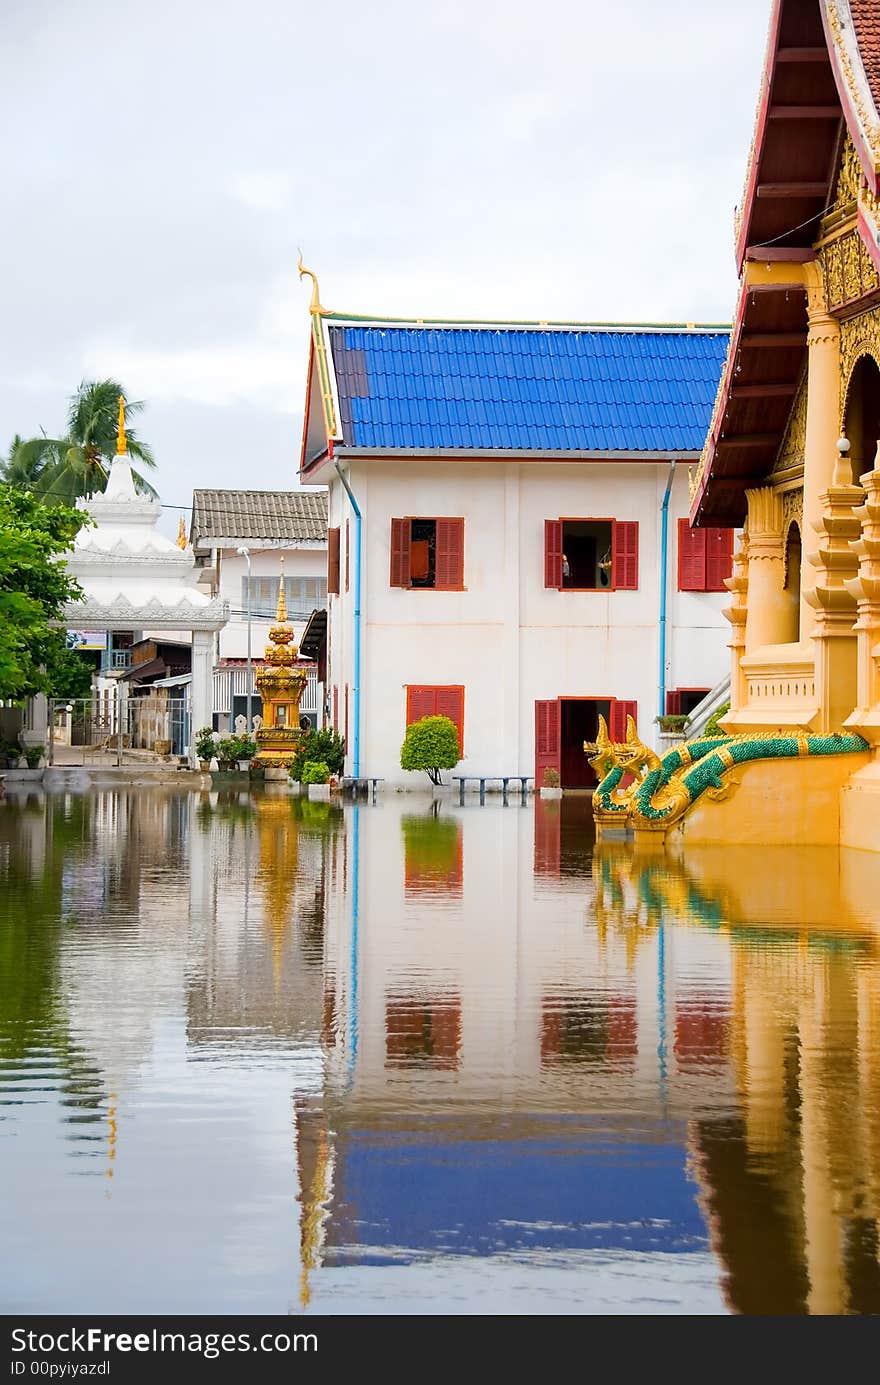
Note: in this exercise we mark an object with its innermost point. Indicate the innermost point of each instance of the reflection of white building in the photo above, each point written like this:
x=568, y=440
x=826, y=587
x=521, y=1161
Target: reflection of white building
x=277, y=528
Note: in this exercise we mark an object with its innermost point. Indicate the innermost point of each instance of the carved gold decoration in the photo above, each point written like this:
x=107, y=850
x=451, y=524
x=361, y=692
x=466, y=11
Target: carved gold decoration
x=859, y=336
x=281, y=687
x=181, y=533
x=121, y=443
x=848, y=271
x=739, y=209
x=849, y=176
x=855, y=88
x=792, y=509
x=315, y=305
x=794, y=440
x=720, y=399
x=765, y=521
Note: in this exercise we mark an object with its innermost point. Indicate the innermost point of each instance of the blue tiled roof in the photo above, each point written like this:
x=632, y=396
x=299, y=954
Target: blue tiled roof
x=526, y=388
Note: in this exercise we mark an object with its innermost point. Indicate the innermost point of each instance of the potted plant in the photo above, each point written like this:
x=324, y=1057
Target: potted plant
x=551, y=785
x=225, y=752
x=205, y=748
x=672, y=726
x=245, y=750
x=316, y=776
x=11, y=754
x=33, y=754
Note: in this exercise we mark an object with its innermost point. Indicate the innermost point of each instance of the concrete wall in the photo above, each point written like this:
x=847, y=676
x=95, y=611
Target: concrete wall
x=506, y=638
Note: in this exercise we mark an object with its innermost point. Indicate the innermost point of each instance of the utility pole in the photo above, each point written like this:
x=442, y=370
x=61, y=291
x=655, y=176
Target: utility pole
x=246, y=554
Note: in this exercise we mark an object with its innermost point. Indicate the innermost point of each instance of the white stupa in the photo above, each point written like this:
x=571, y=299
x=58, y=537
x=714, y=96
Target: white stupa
x=134, y=578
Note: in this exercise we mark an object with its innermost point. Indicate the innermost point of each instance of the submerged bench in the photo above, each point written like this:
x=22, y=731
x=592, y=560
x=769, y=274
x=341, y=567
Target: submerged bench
x=503, y=779
x=363, y=784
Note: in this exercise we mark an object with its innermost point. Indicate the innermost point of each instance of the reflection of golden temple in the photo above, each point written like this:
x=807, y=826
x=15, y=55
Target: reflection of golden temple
x=315, y=1161
x=279, y=836
x=280, y=685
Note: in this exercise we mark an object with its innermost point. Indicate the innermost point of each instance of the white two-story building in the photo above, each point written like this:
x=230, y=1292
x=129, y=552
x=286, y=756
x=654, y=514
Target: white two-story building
x=241, y=539
x=508, y=542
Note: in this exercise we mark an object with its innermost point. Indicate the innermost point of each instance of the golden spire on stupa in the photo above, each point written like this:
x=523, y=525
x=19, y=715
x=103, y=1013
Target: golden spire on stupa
x=181, y=533
x=281, y=611
x=121, y=440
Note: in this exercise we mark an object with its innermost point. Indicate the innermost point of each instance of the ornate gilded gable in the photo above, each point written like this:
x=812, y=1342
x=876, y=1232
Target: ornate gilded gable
x=849, y=177
x=790, y=457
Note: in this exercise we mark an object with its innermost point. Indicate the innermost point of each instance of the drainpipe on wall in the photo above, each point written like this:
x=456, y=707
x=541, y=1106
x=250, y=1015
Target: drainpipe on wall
x=664, y=559
x=356, y=689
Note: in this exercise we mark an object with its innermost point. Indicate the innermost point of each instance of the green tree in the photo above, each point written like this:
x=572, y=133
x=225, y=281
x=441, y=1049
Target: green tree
x=63, y=469
x=431, y=745
x=34, y=589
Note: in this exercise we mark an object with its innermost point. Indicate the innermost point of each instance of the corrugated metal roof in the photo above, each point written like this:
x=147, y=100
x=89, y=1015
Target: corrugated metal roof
x=270, y=515
x=526, y=388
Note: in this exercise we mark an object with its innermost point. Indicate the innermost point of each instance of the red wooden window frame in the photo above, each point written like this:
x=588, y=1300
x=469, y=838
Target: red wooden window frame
x=624, y=552
x=346, y=717
x=673, y=699
x=336, y=708
x=333, y=561
x=705, y=558
x=448, y=553
x=621, y=708
x=433, y=700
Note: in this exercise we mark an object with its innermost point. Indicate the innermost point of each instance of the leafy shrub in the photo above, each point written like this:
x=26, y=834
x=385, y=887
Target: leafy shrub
x=431, y=745
x=673, y=721
x=205, y=743
x=244, y=747
x=326, y=746
x=33, y=754
x=712, y=727
x=551, y=778
x=315, y=772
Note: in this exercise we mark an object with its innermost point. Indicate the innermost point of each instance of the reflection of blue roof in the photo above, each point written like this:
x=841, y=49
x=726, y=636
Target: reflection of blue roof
x=526, y=388
x=488, y=1197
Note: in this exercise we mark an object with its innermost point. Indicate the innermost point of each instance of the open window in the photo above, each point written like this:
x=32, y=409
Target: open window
x=591, y=554
x=427, y=553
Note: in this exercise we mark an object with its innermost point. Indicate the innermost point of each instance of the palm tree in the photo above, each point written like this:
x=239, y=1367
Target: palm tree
x=62, y=469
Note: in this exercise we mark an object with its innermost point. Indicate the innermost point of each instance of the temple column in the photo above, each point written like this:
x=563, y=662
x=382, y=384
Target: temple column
x=823, y=392
x=766, y=618
x=833, y=564
x=202, y=691
x=738, y=585
x=865, y=588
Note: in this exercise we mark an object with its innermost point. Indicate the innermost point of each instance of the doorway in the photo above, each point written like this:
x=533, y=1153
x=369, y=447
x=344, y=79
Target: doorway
x=579, y=722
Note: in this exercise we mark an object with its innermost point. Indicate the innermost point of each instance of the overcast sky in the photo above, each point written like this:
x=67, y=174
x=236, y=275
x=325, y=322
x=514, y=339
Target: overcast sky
x=561, y=159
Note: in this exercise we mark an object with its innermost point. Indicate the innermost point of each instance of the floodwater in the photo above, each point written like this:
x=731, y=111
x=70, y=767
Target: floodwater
x=263, y=1055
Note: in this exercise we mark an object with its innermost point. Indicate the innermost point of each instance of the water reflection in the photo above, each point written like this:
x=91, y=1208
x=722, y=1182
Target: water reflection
x=456, y=1058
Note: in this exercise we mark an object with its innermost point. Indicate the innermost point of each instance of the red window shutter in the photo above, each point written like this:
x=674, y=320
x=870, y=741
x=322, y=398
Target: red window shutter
x=552, y=552
x=401, y=531
x=420, y=702
x=673, y=703
x=719, y=558
x=547, y=739
x=347, y=551
x=333, y=561
x=620, y=710
x=625, y=555
x=335, y=709
x=449, y=554
x=449, y=702
x=691, y=558
x=345, y=734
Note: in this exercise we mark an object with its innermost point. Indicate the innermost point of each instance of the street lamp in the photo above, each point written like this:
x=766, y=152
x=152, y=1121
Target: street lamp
x=246, y=554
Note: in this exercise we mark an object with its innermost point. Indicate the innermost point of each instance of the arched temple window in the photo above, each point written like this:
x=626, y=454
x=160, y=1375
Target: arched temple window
x=792, y=584
x=861, y=421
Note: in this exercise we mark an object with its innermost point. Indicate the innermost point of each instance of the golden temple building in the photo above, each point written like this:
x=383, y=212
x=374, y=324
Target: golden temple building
x=791, y=460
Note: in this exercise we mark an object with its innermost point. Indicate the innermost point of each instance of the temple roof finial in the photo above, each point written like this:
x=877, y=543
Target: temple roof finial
x=315, y=305
x=181, y=533
x=121, y=443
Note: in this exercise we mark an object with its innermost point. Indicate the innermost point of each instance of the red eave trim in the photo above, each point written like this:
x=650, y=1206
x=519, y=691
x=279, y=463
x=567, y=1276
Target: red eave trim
x=760, y=130
x=305, y=428
x=852, y=124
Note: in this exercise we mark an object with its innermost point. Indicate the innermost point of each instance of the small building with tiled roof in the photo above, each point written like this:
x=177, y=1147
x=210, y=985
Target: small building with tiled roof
x=278, y=529
x=502, y=497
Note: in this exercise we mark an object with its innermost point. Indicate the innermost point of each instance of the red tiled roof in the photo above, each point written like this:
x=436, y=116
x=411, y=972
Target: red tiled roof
x=866, y=22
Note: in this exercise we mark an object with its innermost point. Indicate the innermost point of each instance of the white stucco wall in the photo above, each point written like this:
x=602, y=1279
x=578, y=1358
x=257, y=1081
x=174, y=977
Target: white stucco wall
x=310, y=561
x=506, y=638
